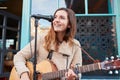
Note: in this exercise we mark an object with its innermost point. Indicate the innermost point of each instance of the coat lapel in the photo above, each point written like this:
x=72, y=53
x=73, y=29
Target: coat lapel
x=65, y=49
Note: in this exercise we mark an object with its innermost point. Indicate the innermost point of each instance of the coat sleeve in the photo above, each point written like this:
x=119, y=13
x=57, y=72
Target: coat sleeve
x=77, y=58
x=23, y=55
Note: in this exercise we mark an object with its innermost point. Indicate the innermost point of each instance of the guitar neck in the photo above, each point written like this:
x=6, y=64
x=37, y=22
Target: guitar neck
x=90, y=67
x=61, y=73
x=53, y=75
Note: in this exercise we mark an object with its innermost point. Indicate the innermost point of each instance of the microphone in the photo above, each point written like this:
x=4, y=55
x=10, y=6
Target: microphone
x=46, y=17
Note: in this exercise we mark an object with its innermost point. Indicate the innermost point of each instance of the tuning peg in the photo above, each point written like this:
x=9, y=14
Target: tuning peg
x=110, y=72
x=116, y=71
x=118, y=57
x=112, y=58
x=106, y=58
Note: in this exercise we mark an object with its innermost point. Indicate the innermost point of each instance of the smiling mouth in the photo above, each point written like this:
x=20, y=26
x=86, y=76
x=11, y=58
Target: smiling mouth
x=57, y=25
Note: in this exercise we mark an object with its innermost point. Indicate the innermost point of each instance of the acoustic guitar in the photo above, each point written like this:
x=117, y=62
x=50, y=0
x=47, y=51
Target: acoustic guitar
x=49, y=71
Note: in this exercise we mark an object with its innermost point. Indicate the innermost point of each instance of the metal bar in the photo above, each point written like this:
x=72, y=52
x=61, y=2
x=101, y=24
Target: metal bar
x=86, y=6
x=95, y=14
x=25, y=23
x=9, y=15
x=3, y=44
x=110, y=7
x=117, y=12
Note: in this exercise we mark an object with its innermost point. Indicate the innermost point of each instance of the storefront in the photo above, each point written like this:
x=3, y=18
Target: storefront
x=97, y=29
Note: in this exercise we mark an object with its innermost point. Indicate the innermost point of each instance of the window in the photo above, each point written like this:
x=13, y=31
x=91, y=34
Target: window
x=98, y=6
x=92, y=6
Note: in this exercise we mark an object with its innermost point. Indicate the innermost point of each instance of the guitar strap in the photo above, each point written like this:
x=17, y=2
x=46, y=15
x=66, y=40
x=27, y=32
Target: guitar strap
x=89, y=55
x=50, y=54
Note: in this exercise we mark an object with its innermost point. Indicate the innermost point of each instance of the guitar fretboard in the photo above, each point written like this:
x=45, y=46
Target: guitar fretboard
x=61, y=73
x=90, y=67
x=53, y=75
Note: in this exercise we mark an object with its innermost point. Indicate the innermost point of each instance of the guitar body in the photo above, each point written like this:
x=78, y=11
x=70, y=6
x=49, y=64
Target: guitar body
x=43, y=67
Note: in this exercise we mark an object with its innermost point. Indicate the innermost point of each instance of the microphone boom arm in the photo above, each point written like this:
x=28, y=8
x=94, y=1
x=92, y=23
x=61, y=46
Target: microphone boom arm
x=46, y=17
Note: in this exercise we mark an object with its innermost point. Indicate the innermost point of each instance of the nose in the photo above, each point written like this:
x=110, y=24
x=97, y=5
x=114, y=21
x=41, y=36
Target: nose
x=56, y=19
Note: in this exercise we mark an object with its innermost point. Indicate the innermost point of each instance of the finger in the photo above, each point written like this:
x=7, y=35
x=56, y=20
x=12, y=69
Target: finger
x=71, y=66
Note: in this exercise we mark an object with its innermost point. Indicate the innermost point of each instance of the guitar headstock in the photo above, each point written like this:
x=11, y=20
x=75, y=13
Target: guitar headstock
x=113, y=64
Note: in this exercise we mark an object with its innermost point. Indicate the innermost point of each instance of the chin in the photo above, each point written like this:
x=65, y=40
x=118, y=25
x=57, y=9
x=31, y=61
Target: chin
x=57, y=30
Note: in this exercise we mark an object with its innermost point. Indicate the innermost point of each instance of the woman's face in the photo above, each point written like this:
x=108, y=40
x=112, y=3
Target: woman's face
x=60, y=22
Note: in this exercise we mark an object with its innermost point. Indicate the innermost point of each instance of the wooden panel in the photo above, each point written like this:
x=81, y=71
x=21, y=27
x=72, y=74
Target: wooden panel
x=13, y=6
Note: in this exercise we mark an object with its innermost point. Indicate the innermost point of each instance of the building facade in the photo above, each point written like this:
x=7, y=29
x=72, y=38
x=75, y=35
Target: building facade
x=98, y=30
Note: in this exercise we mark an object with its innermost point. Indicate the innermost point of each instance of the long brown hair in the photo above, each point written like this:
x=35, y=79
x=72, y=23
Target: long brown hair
x=70, y=32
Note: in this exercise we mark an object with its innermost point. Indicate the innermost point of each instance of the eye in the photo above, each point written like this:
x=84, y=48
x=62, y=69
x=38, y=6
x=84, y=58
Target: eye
x=62, y=17
x=55, y=16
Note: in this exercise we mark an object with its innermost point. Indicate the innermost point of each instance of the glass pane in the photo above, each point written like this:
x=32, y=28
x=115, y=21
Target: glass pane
x=46, y=7
x=100, y=6
x=1, y=19
x=77, y=5
x=11, y=22
x=8, y=61
x=0, y=32
x=62, y=3
x=0, y=44
x=11, y=40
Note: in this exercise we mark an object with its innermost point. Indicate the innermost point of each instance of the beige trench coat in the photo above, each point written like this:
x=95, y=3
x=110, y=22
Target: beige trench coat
x=58, y=58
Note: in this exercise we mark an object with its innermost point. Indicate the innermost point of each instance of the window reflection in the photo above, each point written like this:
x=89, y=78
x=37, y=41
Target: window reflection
x=78, y=6
x=94, y=6
x=100, y=6
x=46, y=7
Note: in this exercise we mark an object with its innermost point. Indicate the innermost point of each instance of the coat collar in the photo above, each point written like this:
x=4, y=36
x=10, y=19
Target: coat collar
x=64, y=48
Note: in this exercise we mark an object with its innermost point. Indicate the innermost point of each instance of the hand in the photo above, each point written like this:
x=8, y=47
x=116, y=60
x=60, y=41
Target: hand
x=25, y=76
x=70, y=75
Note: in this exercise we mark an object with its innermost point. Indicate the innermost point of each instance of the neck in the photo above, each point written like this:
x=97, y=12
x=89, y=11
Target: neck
x=60, y=37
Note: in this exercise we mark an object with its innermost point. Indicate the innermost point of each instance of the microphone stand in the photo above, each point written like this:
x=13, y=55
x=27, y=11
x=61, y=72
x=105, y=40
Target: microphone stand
x=37, y=17
x=35, y=59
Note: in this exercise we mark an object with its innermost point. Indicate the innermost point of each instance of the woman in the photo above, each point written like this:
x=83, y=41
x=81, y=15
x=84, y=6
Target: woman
x=59, y=39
